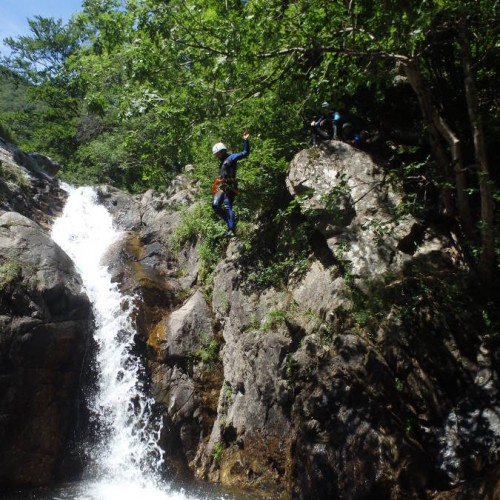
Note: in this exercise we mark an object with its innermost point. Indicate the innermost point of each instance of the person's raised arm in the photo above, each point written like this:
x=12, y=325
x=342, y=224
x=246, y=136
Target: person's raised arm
x=246, y=149
x=246, y=144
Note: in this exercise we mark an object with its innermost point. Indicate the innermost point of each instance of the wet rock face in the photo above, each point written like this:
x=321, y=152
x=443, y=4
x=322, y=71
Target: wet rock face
x=252, y=438
x=176, y=333
x=45, y=321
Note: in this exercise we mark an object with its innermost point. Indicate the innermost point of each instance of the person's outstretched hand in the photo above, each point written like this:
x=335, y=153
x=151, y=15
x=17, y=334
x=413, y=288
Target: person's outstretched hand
x=246, y=134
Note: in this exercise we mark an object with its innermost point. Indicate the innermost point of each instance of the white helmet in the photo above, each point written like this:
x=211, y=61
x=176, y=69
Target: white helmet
x=218, y=147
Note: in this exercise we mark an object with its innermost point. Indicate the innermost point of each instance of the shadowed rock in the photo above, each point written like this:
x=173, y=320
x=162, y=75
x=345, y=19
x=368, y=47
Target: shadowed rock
x=45, y=321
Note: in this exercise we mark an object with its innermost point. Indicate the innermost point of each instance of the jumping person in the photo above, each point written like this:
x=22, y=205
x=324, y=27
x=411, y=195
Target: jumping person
x=225, y=188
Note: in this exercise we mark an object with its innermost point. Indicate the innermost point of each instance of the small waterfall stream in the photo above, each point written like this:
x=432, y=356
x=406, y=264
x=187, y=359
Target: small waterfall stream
x=126, y=461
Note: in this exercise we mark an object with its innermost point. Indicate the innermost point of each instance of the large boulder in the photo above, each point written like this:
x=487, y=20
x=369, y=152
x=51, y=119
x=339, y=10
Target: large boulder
x=45, y=319
x=187, y=329
x=348, y=198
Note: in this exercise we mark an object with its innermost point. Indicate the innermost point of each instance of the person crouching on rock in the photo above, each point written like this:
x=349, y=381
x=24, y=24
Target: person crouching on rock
x=225, y=187
x=326, y=126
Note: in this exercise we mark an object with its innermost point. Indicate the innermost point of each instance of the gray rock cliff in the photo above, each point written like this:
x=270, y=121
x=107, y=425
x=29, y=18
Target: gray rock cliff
x=369, y=372
x=28, y=186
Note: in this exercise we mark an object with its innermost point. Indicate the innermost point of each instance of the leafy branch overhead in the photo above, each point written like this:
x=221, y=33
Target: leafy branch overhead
x=130, y=91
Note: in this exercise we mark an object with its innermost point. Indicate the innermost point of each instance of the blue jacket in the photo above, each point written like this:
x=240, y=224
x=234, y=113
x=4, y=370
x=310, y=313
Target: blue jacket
x=334, y=117
x=229, y=164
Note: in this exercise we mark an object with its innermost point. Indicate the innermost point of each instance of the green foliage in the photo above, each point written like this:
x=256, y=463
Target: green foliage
x=101, y=161
x=6, y=134
x=279, y=252
x=411, y=298
x=292, y=368
x=369, y=309
x=227, y=392
x=40, y=57
x=380, y=228
x=398, y=384
x=200, y=225
x=491, y=322
x=415, y=174
x=12, y=92
x=45, y=121
x=274, y=318
x=10, y=275
x=128, y=93
x=14, y=175
x=14, y=105
x=217, y=452
x=208, y=353
x=276, y=272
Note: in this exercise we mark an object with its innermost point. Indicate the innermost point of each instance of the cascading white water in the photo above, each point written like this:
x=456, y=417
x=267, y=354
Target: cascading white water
x=127, y=458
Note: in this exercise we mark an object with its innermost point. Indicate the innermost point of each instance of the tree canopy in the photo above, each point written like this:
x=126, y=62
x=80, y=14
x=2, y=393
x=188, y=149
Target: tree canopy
x=133, y=90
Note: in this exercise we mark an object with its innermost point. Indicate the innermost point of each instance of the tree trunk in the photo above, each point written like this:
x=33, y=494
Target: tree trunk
x=447, y=198
x=439, y=128
x=487, y=262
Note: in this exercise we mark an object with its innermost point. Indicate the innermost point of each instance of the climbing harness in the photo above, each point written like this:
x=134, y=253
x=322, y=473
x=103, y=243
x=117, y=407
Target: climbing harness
x=220, y=187
x=216, y=186
x=224, y=185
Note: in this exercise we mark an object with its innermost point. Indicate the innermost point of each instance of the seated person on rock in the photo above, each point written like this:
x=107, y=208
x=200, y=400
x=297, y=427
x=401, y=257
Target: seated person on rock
x=326, y=126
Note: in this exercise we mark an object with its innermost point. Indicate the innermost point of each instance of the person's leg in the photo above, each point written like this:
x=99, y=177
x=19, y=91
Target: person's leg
x=313, y=136
x=218, y=205
x=337, y=128
x=323, y=133
x=228, y=205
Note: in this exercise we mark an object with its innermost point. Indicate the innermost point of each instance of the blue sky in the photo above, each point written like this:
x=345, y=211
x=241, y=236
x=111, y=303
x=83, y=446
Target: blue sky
x=14, y=15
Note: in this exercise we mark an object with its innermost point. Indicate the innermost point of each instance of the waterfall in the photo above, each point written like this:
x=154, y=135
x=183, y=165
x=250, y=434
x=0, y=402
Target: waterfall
x=127, y=458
